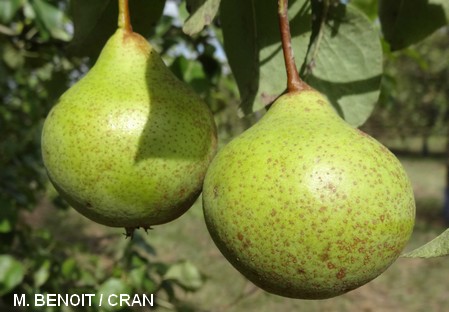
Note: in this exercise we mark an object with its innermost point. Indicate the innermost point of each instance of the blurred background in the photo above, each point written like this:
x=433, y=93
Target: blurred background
x=47, y=247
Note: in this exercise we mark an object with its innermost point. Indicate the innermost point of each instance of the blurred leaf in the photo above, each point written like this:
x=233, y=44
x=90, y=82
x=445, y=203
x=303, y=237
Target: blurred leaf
x=11, y=273
x=202, y=14
x=137, y=276
x=12, y=57
x=405, y=22
x=437, y=247
x=42, y=274
x=112, y=286
x=347, y=64
x=96, y=21
x=51, y=19
x=369, y=7
x=191, y=72
x=149, y=285
x=186, y=275
x=253, y=47
x=68, y=268
x=8, y=10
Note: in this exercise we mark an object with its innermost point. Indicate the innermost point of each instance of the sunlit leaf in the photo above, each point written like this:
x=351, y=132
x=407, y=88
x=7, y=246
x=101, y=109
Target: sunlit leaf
x=437, y=247
x=202, y=14
x=8, y=10
x=42, y=274
x=347, y=65
x=344, y=62
x=185, y=274
x=51, y=19
x=109, y=291
x=11, y=273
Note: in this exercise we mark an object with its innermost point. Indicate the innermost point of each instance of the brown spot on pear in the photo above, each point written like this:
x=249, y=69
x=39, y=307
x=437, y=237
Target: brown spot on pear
x=329, y=183
x=129, y=139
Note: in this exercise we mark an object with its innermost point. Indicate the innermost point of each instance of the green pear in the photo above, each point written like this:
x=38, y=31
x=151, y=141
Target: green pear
x=129, y=144
x=304, y=205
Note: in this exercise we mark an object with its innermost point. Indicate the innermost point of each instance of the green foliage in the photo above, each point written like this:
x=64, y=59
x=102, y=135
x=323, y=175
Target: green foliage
x=202, y=14
x=96, y=21
x=340, y=54
x=437, y=247
x=344, y=61
x=11, y=273
x=8, y=10
x=413, y=100
x=406, y=22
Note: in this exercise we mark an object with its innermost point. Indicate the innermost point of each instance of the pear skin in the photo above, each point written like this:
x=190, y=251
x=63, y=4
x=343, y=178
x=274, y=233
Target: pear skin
x=129, y=144
x=304, y=205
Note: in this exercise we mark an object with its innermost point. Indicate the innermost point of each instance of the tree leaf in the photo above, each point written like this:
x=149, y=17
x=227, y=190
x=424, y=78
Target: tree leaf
x=253, y=47
x=112, y=286
x=346, y=59
x=369, y=7
x=8, y=10
x=11, y=273
x=347, y=66
x=185, y=274
x=405, y=22
x=190, y=72
x=437, y=247
x=68, y=268
x=203, y=13
x=51, y=19
x=95, y=21
x=42, y=274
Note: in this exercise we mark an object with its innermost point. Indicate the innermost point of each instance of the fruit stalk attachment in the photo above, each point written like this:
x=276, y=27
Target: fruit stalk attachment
x=294, y=82
x=123, y=15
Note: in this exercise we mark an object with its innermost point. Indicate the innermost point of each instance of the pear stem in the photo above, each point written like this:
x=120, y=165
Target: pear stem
x=294, y=82
x=124, y=21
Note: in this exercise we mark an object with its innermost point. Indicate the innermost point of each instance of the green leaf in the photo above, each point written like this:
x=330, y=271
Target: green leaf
x=68, y=268
x=190, y=72
x=345, y=55
x=95, y=21
x=186, y=275
x=112, y=286
x=347, y=66
x=42, y=274
x=51, y=19
x=369, y=7
x=11, y=273
x=405, y=22
x=437, y=247
x=137, y=276
x=12, y=57
x=8, y=10
x=253, y=47
x=203, y=13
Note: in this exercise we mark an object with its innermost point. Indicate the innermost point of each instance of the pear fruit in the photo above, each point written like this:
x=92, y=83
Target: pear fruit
x=129, y=144
x=304, y=205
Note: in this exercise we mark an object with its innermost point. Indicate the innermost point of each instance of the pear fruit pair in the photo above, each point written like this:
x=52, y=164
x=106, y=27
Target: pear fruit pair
x=129, y=144
x=304, y=205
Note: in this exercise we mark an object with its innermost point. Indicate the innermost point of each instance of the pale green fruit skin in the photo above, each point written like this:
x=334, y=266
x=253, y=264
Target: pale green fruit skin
x=306, y=206
x=129, y=144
